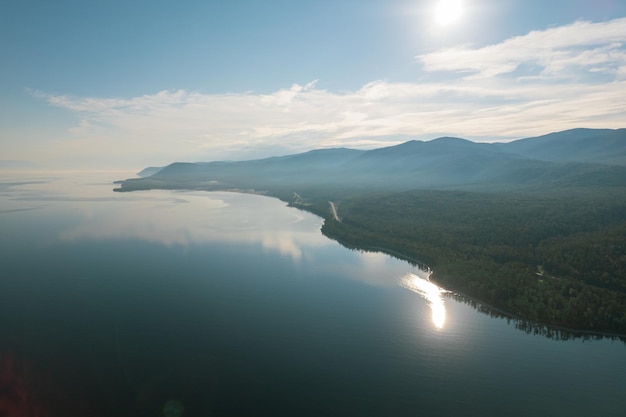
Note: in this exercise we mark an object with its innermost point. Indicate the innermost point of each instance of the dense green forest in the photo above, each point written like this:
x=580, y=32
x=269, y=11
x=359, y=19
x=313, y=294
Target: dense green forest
x=558, y=259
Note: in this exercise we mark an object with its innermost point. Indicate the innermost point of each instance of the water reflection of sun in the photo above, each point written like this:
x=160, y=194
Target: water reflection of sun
x=432, y=293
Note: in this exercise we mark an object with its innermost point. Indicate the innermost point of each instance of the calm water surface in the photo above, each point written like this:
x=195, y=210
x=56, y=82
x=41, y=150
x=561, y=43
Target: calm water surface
x=174, y=304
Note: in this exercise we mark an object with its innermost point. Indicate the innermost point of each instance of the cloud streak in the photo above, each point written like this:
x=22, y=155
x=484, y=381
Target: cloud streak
x=581, y=47
x=555, y=79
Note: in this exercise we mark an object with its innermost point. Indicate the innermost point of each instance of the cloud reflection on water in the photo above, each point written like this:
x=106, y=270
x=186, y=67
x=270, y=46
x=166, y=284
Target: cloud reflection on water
x=203, y=218
x=84, y=206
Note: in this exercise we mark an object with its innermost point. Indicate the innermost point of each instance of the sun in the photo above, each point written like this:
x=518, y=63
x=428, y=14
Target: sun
x=447, y=12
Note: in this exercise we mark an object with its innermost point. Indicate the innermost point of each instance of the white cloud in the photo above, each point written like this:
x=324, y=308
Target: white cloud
x=581, y=45
x=559, y=78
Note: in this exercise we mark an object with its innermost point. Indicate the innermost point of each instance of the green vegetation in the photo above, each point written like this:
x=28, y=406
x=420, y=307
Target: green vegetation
x=558, y=259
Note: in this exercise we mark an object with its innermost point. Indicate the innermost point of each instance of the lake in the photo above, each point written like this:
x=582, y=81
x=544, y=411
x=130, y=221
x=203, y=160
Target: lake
x=188, y=303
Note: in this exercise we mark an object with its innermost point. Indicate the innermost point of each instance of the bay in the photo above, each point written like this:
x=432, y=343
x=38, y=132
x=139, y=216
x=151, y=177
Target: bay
x=172, y=303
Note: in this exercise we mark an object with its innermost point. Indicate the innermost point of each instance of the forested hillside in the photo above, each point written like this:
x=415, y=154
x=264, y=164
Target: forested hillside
x=557, y=259
x=605, y=146
x=443, y=163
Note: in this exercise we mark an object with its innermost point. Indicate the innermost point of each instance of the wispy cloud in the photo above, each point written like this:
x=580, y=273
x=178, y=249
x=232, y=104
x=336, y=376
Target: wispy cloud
x=559, y=78
x=581, y=47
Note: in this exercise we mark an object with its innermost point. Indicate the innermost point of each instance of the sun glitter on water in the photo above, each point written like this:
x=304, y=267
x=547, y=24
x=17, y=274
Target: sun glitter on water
x=432, y=293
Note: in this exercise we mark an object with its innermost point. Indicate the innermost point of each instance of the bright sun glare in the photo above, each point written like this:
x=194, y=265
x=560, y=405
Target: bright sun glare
x=448, y=11
x=432, y=293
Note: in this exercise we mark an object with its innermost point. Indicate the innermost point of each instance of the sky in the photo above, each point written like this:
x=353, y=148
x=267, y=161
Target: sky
x=135, y=83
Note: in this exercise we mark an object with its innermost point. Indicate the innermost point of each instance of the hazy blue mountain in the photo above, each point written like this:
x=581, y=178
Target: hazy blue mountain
x=604, y=146
x=443, y=161
x=298, y=167
x=440, y=163
x=146, y=172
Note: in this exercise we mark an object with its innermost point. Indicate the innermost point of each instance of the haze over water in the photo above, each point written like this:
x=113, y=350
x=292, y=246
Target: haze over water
x=195, y=303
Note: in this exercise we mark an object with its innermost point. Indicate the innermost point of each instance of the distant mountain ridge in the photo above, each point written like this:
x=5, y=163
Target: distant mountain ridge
x=604, y=146
x=146, y=172
x=579, y=157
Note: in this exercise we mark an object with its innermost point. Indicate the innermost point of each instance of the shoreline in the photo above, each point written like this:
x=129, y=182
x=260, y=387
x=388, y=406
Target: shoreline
x=481, y=305
x=521, y=323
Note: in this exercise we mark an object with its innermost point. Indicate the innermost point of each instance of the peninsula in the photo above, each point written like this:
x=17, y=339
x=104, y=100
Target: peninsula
x=534, y=227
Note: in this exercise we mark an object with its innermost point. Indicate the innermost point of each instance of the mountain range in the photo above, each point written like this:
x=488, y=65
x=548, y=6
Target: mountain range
x=572, y=158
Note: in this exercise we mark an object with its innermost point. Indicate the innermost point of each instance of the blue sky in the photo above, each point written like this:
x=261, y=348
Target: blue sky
x=132, y=83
